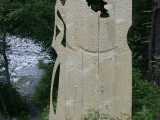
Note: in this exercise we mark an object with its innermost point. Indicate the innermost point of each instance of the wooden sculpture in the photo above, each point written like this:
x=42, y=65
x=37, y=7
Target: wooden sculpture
x=94, y=61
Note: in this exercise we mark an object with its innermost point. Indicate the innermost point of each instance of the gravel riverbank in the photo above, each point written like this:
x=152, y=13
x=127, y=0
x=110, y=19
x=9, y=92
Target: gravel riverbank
x=23, y=55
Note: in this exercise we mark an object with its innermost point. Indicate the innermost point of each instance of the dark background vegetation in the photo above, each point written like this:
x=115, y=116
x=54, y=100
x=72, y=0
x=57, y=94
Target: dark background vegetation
x=35, y=19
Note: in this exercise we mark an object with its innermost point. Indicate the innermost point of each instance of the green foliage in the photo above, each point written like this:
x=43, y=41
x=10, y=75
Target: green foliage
x=42, y=65
x=45, y=114
x=139, y=33
x=42, y=92
x=146, y=97
x=23, y=78
x=144, y=114
x=2, y=72
x=35, y=19
x=20, y=81
x=156, y=64
x=94, y=114
x=29, y=18
x=19, y=107
x=22, y=117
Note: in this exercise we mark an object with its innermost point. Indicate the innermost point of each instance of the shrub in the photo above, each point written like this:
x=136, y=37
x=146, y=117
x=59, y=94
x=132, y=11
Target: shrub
x=16, y=106
x=42, y=65
x=94, y=114
x=45, y=114
x=42, y=93
x=146, y=97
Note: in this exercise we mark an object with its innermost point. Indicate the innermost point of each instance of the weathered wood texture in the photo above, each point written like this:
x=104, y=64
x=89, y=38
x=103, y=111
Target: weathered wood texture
x=95, y=64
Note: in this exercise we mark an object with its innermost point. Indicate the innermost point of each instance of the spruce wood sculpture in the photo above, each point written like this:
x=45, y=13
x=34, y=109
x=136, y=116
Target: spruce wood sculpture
x=95, y=61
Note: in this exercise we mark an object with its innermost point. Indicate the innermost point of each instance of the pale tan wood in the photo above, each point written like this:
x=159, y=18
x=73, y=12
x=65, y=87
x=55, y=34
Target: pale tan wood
x=90, y=58
x=95, y=65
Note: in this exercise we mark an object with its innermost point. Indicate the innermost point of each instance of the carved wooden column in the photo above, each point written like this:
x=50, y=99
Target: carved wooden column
x=95, y=61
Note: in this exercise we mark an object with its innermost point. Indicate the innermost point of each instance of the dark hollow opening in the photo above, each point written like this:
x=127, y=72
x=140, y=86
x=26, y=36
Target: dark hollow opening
x=64, y=37
x=55, y=88
x=98, y=5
